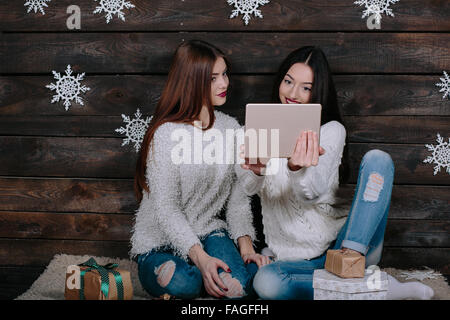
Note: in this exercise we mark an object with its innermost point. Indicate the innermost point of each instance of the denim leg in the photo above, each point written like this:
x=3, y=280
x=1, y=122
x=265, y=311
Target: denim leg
x=162, y=272
x=366, y=222
x=287, y=280
x=239, y=282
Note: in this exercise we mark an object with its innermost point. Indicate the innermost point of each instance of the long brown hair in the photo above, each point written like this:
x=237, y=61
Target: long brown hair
x=187, y=90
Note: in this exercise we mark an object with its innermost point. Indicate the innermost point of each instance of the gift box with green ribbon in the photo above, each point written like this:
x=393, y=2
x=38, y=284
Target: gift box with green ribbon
x=91, y=281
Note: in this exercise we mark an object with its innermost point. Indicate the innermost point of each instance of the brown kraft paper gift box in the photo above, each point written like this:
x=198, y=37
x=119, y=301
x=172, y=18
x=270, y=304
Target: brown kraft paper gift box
x=93, y=283
x=345, y=264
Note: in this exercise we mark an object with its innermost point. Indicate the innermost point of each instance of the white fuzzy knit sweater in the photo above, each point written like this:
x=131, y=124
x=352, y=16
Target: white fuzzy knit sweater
x=298, y=217
x=185, y=200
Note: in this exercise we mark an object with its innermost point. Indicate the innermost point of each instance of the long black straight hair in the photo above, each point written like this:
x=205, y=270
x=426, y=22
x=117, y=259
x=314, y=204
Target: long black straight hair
x=323, y=90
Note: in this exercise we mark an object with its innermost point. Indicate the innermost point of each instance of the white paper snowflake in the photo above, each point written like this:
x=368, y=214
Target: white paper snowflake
x=247, y=8
x=36, y=5
x=420, y=274
x=440, y=156
x=112, y=7
x=445, y=85
x=377, y=8
x=134, y=129
x=68, y=87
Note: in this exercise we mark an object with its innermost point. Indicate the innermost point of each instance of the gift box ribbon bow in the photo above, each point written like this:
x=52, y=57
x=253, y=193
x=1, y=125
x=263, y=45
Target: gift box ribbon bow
x=104, y=274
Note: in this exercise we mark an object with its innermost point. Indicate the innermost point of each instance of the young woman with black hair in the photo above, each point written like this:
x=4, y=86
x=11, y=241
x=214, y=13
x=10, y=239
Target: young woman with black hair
x=302, y=218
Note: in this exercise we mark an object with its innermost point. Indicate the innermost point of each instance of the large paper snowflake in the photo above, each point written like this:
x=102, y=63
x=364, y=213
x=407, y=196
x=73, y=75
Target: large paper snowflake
x=68, y=87
x=134, y=129
x=377, y=8
x=112, y=7
x=247, y=8
x=445, y=85
x=36, y=5
x=440, y=156
x=421, y=274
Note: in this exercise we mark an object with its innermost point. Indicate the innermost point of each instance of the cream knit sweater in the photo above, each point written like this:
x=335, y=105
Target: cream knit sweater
x=185, y=200
x=299, y=219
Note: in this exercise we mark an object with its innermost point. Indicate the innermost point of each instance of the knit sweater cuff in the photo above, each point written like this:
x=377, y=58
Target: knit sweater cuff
x=184, y=251
x=250, y=182
x=301, y=182
x=296, y=173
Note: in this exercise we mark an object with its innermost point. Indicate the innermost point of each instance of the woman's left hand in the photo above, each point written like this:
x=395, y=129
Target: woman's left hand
x=257, y=258
x=306, y=152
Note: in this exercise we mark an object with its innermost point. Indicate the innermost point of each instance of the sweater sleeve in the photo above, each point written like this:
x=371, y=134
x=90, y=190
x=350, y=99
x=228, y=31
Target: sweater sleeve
x=239, y=214
x=250, y=182
x=312, y=182
x=163, y=178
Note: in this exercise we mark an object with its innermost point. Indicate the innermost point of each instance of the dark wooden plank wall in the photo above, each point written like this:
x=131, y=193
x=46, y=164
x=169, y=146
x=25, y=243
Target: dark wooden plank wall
x=66, y=182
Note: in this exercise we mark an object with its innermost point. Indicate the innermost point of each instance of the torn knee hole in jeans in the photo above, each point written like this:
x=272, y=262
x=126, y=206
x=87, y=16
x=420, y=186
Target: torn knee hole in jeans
x=218, y=234
x=164, y=273
x=234, y=286
x=373, y=187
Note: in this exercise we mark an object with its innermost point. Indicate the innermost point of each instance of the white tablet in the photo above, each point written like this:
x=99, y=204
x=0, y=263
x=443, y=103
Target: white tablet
x=271, y=130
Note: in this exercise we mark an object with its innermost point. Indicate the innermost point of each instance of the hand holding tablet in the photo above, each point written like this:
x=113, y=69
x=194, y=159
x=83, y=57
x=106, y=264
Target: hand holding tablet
x=282, y=131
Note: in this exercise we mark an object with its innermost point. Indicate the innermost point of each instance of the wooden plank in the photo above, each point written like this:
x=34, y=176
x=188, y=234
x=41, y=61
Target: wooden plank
x=416, y=258
x=37, y=252
x=67, y=195
x=104, y=157
x=113, y=227
x=62, y=157
x=376, y=129
x=408, y=161
x=157, y=15
x=77, y=226
x=117, y=196
x=414, y=233
x=114, y=53
x=396, y=129
x=400, y=95
x=358, y=95
x=22, y=252
x=108, y=96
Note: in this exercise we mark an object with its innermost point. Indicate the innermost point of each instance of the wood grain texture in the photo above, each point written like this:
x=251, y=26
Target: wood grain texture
x=116, y=196
x=36, y=252
x=369, y=129
x=257, y=52
x=113, y=227
x=105, y=157
x=175, y=15
x=67, y=195
x=112, y=95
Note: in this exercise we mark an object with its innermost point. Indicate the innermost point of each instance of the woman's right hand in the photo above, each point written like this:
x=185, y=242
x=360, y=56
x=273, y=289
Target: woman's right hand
x=256, y=168
x=208, y=267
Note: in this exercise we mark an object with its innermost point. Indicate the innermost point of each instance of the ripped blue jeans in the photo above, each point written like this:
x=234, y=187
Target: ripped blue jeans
x=160, y=271
x=363, y=231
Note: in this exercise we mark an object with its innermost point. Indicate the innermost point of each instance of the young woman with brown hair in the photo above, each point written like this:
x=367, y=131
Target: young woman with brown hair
x=182, y=243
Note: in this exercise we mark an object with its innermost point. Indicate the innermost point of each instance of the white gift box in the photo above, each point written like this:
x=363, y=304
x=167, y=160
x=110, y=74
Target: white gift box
x=328, y=286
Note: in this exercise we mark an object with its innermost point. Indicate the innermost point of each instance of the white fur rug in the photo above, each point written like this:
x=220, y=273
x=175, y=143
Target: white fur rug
x=51, y=283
